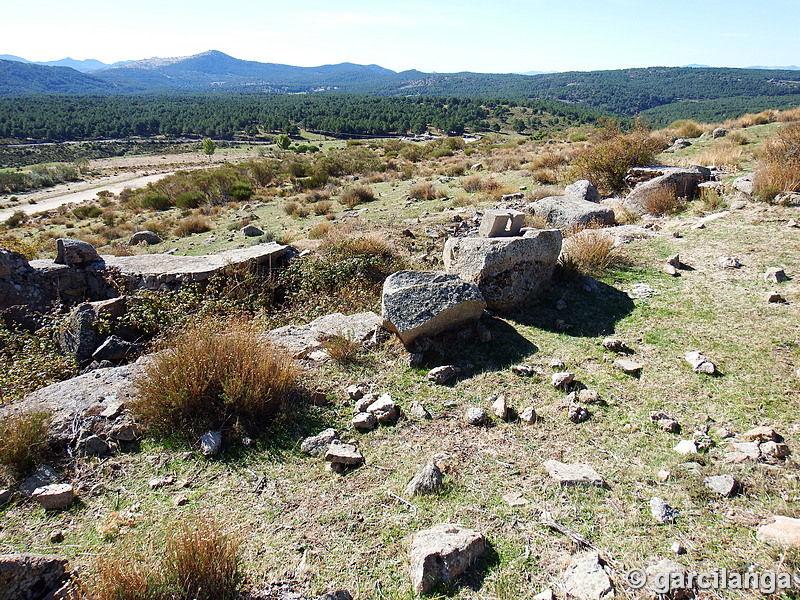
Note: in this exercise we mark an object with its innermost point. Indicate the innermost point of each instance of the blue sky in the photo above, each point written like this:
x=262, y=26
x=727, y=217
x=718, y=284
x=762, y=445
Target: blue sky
x=439, y=35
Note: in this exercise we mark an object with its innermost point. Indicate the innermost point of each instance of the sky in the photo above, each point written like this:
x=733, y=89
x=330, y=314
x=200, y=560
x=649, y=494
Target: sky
x=500, y=36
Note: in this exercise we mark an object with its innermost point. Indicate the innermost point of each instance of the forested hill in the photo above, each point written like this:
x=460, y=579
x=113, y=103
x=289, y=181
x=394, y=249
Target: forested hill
x=28, y=78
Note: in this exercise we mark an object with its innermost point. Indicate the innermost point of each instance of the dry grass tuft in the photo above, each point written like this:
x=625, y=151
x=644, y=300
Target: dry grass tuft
x=686, y=128
x=423, y=191
x=207, y=378
x=191, y=225
x=343, y=348
x=23, y=441
x=661, y=201
x=589, y=252
x=119, y=578
x=356, y=195
x=728, y=154
x=779, y=169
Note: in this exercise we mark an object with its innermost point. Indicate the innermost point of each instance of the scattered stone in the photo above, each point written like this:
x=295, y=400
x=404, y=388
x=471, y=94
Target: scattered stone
x=762, y=434
x=557, y=364
x=585, y=396
x=211, y=443
x=675, y=261
x=678, y=144
x=418, y=410
x=562, y=381
x=343, y=454
x=793, y=223
x=444, y=375
x=364, y=422
x=640, y=291
x=567, y=211
x=515, y=499
x=670, y=270
x=54, y=497
x=774, y=450
x=509, y=271
x=583, y=189
x=31, y=576
x=724, y=485
x=677, y=548
x=385, y=410
x=775, y=298
x=94, y=445
x=629, y=367
x=750, y=449
x=523, y=370
x=661, y=511
x=528, y=415
x=665, y=422
x=356, y=392
x=319, y=398
x=5, y=496
x=664, y=571
x=501, y=223
x=75, y=252
x=780, y=531
x=159, y=482
x=124, y=431
x=500, y=408
x=441, y=554
x=664, y=475
x=729, y=262
x=56, y=537
x=578, y=413
x=79, y=337
x=775, y=275
x=418, y=303
x=317, y=445
x=476, y=416
x=586, y=579
x=252, y=231
x=573, y=474
x=719, y=132
x=363, y=404
x=428, y=480
x=337, y=595
x=686, y=447
x=416, y=359
x=144, y=237
x=617, y=346
x=700, y=363
x=702, y=441
x=544, y=595
x=657, y=180
x=724, y=432
x=744, y=184
x=44, y=475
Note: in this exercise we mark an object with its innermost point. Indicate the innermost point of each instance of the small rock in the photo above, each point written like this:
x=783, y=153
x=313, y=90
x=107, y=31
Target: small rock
x=500, y=408
x=56, y=537
x=729, y=262
x=586, y=579
x=562, y=381
x=675, y=261
x=144, y=237
x=686, y=447
x=617, y=346
x=515, y=499
x=775, y=275
x=700, y=363
x=114, y=348
x=444, y=375
x=677, y=548
x=578, y=413
x=672, y=572
x=337, y=595
x=356, y=392
x=750, y=449
x=418, y=410
x=476, y=416
x=44, y=475
x=665, y=422
x=364, y=422
x=211, y=443
x=629, y=367
x=670, y=270
x=74, y=252
x=252, y=231
x=762, y=434
x=5, y=496
x=95, y=446
x=528, y=415
x=574, y=474
x=780, y=531
x=724, y=485
x=319, y=398
x=793, y=223
x=557, y=364
x=385, y=410
x=343, y=454
x=159, y=482
x=362, y=404
x=664, y=475
x=428, y=480
x=774, y=450
x=661, y=511
x=318, y=445
x=54, y=497
x=523, y=370
x=775, y=298
x=441, y=554
x=724, y=432
x=544, y=595
x=702, y=441
x=180, y=500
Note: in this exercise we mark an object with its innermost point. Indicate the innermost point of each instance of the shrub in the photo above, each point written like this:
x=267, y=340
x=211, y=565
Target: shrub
x=88, y=211
x=686, y=128
x=189, y=200
x=155, y=201
x=661, y=201
x=202, y=562
x=209, y=379
x=119, y=578
x=343, y=348
x=356, y=195
x=779, y=169
x=241, y=191
x=711, y=199
x=291, y=207
x=319, y=231
x=423, y=191
x=589, y=252
x=607, y=162
x=323, y=207
x=191, y=225
x=23, y=441
x=16, y=219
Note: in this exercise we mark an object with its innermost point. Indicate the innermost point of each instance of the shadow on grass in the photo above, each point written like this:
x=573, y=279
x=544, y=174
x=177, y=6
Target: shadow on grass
x=590, y=308
x=474, y=577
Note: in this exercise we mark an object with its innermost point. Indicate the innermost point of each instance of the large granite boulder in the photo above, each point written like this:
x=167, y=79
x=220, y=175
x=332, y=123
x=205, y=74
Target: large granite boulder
x=568, y=211
x=75, y=252
x=651, y=181
x=583, y=189
x=31, y=576
x=442, y=553
x=508, y=271
x=302, y=341
x=420, y=303
x=79, y=336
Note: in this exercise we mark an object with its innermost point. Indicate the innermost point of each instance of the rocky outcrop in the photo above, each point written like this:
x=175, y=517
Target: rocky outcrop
x=305, y=341
x=419, y=303
x=508, y=271
x=651, y=181
x=567, y=211
x=149, y=238
x=442, y=553
x=31, y=576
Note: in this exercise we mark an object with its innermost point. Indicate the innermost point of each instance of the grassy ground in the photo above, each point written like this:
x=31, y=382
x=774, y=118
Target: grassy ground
x=299, y=522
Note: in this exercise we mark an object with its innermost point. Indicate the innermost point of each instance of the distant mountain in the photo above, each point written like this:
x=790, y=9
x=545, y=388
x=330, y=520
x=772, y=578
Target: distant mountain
x=789, y=68
x=14, y=58
x=27, y=78
x=216, y=70
x=84, y=66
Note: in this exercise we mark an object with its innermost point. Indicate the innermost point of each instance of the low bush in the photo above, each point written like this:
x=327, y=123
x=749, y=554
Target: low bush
x=155, y=201
x=88, y=211
x=207, y=378
x=779, y=168
x=189, y=200
x=191, y=225
x=423, y=191
x=355, y=195
x=661, y=201
x=686, y=128
x=323, y=207
x=16, y=219
x=589, y=252
x=343, y=349
x=23, y=441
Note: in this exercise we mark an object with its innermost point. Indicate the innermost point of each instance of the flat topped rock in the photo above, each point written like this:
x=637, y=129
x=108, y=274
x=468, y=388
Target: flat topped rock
x=780, y=531
x=442, y=553
x=573, y=474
